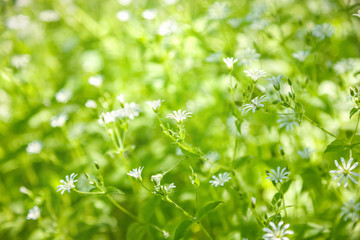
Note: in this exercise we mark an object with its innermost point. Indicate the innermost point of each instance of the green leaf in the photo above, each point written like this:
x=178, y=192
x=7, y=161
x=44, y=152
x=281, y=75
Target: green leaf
x=336, y=146
x=182, y=229
x=285, y=186
x=136, y=231
x=353, y=111
x=204, y=211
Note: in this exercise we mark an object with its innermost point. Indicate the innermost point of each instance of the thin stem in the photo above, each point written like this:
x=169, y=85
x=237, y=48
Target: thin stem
x=204, y=230
x=89, y=193
x=356, y=128
x=180, y=208
x=121, y=208
x=235, y=148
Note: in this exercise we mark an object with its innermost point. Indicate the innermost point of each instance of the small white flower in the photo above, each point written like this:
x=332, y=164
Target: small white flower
x=18, y=22
x=276, y=81
x=220, y=180
x=131, y=110
x=230, y=62
x=68, y=184
x=255, y=74
x=255, y=104
x=345, y=171
x=277, y=176
x=288, y=121
x=357, y=14
x=20, y=61
x=247, y=56
x=34, y=213
x=34, y=147
x=301, y=55
x=136, y=173
x=156, y=179
x=213, y=57
x=90, y=104
x=345, y=65
x=59, y=120
x=155, y=105
x=124, y=2
x=305, y=153
x=49, y=16
x=123, y=15
x=63, y=96
x=166, y=234
x=121, y=98
x=164, y=190
x=96, y=80
x=168, y=27
x=108, y=117
x=277, y=232
x=24, y=190
x=218, y=11
x=322, y=31
x=149, y=14
x=179, y=116
x=351, y=210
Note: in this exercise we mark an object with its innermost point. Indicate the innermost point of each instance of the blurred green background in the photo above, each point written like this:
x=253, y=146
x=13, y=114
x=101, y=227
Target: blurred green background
x=173, y=50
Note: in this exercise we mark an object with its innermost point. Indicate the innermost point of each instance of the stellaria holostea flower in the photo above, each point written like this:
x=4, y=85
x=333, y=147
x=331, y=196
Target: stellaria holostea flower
x=345, y=171
x=96, y=80
x=230, y=62
x=34, y=147
x=278, y=232
x=351, y=210
x=277, y=176
x=34, y=213
x=255, y=74
x=179, y=116
x=155, y=105
x=220, y=180
x=68, y=183
x=136, y=173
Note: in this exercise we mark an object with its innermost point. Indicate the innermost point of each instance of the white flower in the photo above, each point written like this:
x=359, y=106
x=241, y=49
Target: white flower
x=322, y=31
x=166, y=234
x=247, y=56
x=288, y=121
x=149, y=14
x=136, y=173
x=34, y=213
x=213, y=57
x=124, y=2
x=121, y=98
x=255, y=104
x=59, y=120
x=108, y=117
x=277, y=232
x=22, y=3
x=255, y=74
x=68, y=184
x=357, y=14
x=276, y=81
x=168, y=27
x=18, y=22
x=63, y=96
x=345, y=171
x=131, y=110
x=96, y=80
x=90, y=104
x=277, y=176
x=305, y=153
x=155, y=105
x=179, y=116
x=34, y=147
x=234, y=22
x=49, y=16
x=20, y=61
x=301, y=55
x=164, y=190
x=344, y=65
x=156, y=179
x=169, y=2
x=351, y=210
x=220, y=180
x=230, y=62
x=24, y=190
x=123, y=15
x=218, y=10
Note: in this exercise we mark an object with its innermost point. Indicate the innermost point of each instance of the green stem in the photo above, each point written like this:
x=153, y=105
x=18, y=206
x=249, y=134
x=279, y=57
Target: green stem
x=89, y=193
x=206, y=232
x=356, y=128
x=180, y=208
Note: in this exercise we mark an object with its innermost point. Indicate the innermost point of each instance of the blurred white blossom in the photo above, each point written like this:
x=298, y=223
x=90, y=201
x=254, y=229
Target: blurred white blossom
x=168, y=27
x=91, y=104
x=63, y=96
x=255, y=74
x=149, y=14
x=34, y=213
x=288, y=121
x=20, y=60
x=247, y=56
x=351, y=210
x=305, y=153
x=18, y=22
x=278, y=232
x=218, y=11
x=155, y=105
x=357, y=14
x=345, y=65
x=301, y=55
x=125, y=2
x=34, y=147
x=322, y=31
x=59, y=120
x=49, y=16
x=123, y=15
x=96, y=80
x=254, y=104
x=220, y=180
x=131, y=110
